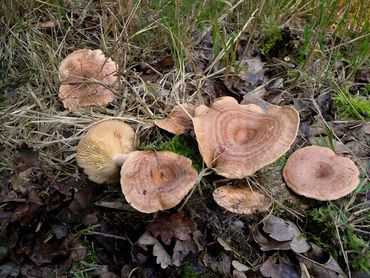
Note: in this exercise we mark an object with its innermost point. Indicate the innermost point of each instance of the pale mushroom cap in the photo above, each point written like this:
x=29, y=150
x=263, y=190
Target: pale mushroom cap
x=241, y=200
x=238, y=140
x=87, y=78
x=101, y=152
x=318, y=173
x=178, y=122
x=153, y=181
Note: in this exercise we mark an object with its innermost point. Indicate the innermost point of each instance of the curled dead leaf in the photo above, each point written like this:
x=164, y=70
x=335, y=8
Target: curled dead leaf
x=277, y=267
x=177, y=225
x=162, y=256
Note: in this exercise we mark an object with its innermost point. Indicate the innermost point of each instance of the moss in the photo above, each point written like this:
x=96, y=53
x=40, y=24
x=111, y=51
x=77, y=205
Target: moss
x=271, y=36
x=188, y=272
x=349, y=107
x=330, y=218
x=282, y=160
x=179, y=144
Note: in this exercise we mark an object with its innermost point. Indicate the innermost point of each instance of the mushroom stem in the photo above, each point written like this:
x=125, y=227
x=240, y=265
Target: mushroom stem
x=119, y=159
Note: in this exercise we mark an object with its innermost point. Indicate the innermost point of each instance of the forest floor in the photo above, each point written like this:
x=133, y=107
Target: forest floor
x=309, y=54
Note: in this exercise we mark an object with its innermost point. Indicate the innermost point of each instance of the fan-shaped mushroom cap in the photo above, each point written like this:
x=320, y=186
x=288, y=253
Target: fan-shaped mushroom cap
x=241, y=200
x=237, y=140
x=178, y=122
x=87, y=77
x=318, y=173
x=153, y=181
x=103, y=150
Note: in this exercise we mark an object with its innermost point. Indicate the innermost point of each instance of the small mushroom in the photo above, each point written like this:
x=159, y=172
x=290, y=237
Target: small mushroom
x=318, y=173
x=87, y=78
x=238, y=140
x=103, y=150
x=241, y=200
x=153, y=181
x=178, y=122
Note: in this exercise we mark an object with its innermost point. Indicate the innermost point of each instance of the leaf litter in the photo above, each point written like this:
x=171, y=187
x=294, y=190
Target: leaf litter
x=47, y=202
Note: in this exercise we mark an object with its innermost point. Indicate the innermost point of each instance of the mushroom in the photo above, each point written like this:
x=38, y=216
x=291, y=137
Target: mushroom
x=87, y=78
x=237, y=140
x=153, y=181
x=103, y=150
x=242, y=200
x=179, y=121
x=318, y=173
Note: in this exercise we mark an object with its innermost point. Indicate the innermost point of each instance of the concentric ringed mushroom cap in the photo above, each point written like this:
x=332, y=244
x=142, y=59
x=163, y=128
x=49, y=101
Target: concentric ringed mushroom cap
x=237, y=140
x=153, y=181
x=241, y=200
x=87, y=78
x=103, y=150
x=318, y=173
x=178, y=122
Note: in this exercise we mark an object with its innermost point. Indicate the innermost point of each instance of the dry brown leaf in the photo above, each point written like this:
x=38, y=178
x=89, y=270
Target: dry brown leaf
x=320, y=263
x=162, y=256
x=268, y=244
x=276, y=268
x=177, y=225
x=238, y=274
x=239, y=266
x=221, y=266
x=285, y=230
x=181, y=249
x=198, y=239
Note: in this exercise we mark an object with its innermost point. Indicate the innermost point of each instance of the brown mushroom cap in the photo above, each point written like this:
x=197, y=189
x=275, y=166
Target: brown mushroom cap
x=237, y=140
x=86, y=76
x=318, y=173
x=241, y=200
x=101, y=152
x=153, y=181
x=178, y=122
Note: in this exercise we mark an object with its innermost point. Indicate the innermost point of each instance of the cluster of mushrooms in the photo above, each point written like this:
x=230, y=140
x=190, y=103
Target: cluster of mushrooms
x=235, y=140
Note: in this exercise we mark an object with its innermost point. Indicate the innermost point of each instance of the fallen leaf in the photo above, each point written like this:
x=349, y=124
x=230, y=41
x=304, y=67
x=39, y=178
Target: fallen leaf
x=108, y=274
x=219, y=266
x=285, y=230
x=256, y=97
x=59, y=231
x=252, y=70
x=279, y=229
x=198, y=239
x=304, y=105
x=325, y=103
x=239, y=266
x=44, y=252
x=67, y=187
x=181, y=249
x=9, y=269
x=177, y=225
x=166, y=63
x=320, y=263
x=25, y=158
x=276, y=268
x=162, y=256
x=27, y=212
x=225, y=245
x=362, y=75
x=238, y=274
x=268, y=244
